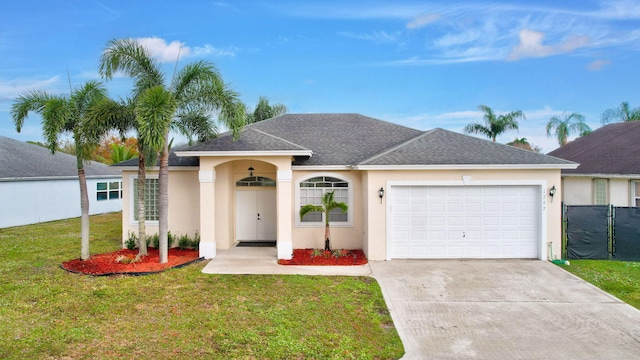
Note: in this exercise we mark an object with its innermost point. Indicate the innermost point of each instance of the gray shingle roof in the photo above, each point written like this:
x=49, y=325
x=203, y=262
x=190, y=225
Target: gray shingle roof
x=354, y=139
x=335, y=139
x=611, y=149
x=23, y=160
x=443, y=147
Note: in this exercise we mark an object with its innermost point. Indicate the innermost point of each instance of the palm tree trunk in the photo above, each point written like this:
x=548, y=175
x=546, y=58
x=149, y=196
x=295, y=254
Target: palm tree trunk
x=84, y=218
x=327, y=237
x=142, y=178
x=163, y=201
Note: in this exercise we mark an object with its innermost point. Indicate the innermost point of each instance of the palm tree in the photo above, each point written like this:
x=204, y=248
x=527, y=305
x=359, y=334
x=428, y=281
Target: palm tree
x=264, y=110
x=62, y=115
x=328, y=204
x=521, y=144
x=121, y=116
x=573, y=122
x=185, y=104
x=622, y=113
x=494, y=125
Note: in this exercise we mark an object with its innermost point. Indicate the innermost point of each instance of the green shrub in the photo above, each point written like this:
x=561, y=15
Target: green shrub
x=184, y=242
x=132, y=241
x=154, y=241
x=196, y=241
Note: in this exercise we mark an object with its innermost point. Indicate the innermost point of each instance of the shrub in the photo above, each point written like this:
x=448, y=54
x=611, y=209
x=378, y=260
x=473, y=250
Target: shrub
x=154, y=241
x=132, y=241
x=184, y=242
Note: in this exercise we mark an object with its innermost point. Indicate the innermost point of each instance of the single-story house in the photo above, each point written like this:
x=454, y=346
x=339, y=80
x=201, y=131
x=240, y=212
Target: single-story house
x=609, y=171
x=37, y=186
x=411, y=193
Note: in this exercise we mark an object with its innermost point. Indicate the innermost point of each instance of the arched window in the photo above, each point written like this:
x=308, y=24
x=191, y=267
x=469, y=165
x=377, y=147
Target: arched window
x=253, y=181
x=312, y=190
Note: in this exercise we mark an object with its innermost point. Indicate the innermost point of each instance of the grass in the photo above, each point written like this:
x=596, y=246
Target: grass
x=619, y=278
x=46, y=312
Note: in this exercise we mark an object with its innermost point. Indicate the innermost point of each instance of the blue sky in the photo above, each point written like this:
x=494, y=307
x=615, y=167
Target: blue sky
x=414, y=63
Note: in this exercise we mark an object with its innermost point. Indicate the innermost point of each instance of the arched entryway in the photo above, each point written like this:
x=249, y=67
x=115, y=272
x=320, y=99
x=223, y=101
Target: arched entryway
x=256, y=210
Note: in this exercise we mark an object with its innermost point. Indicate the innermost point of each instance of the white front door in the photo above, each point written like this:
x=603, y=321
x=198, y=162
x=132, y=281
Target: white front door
x=256, y=215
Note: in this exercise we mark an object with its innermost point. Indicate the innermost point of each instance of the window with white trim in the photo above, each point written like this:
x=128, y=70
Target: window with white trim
x=313, y=189
x=109, y=190
x=635, y=193
x=151, y=190
x=600, y=192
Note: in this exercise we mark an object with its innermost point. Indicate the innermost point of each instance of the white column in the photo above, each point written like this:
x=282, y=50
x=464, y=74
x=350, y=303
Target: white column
x=285, y=204
x=207, y=213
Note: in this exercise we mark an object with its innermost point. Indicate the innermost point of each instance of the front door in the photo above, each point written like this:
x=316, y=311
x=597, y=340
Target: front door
x=256, y=215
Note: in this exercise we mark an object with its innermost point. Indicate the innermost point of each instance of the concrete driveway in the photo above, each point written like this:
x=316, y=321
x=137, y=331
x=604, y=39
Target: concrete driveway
x=511, y=309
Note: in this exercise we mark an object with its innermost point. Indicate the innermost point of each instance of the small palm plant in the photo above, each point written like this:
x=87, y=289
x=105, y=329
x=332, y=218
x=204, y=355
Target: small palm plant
x=328, y=204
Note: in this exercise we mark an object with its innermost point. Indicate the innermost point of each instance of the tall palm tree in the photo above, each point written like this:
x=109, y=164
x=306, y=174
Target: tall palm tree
x=622, y=113
x=121, y=116
x=264, y=110
x=494, y=125
x=328, y=205
x=186, y=104
x=66, y=115
x=573, y=122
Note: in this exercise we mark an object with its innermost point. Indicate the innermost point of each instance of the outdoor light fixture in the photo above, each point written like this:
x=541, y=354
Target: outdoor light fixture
x=381, y=194
x=552, y=192
x=251, y=169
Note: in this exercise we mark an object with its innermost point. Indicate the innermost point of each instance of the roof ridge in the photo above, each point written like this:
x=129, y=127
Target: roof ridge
x=280, y=139
x=396, y=147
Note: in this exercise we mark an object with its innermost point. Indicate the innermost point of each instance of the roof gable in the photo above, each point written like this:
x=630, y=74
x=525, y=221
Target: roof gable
x=611, y=149
x=23, y=160
x=334, y=139
x=443, y=147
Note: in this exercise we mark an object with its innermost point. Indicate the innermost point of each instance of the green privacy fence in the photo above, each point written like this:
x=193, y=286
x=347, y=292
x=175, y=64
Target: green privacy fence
x=601, y=232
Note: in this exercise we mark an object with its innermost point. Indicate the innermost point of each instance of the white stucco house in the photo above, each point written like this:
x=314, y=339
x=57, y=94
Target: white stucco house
x=411, y=193
x=37, y=186
x=609, y=171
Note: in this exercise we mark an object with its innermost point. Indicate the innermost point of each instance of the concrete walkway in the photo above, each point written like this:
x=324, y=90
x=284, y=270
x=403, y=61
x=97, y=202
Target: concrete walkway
x=262, y=260
x=480, y=309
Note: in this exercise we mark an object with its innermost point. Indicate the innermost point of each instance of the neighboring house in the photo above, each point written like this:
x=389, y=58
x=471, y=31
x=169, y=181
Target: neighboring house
x=36, y=186
x=411, y=193
x=609, y=171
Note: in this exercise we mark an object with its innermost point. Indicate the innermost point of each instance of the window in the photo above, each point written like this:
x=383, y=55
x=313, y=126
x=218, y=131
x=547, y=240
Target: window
x=109, y=190
x=254, y=181
x=150, y=199
x=313, y=189
x=600, y=192
x=635, y=193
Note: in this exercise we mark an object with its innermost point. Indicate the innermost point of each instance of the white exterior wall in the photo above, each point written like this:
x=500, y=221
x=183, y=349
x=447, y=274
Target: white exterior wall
x=33, y=201
x=578, y=190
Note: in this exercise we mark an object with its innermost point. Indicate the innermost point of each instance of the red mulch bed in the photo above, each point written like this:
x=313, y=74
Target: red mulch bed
x=105, y=264
x=306, y=257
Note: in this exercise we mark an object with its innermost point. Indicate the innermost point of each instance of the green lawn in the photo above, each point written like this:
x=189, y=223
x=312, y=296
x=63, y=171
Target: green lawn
x=46, y=312
x=619, y=278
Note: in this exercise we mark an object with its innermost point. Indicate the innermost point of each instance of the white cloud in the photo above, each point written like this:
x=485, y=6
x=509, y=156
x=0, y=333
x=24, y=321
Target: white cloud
x=375, y=36
x=598, y=64
x=213, y=51
x=422, y=20
x=531, y=45
x=9, y=89
x=164, y=52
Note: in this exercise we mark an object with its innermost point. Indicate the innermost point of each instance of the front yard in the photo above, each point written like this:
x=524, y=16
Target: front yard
x=46, y=312
x=619, y=278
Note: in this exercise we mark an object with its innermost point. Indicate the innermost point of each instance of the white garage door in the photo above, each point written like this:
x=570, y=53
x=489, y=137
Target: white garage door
x=464, y=221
